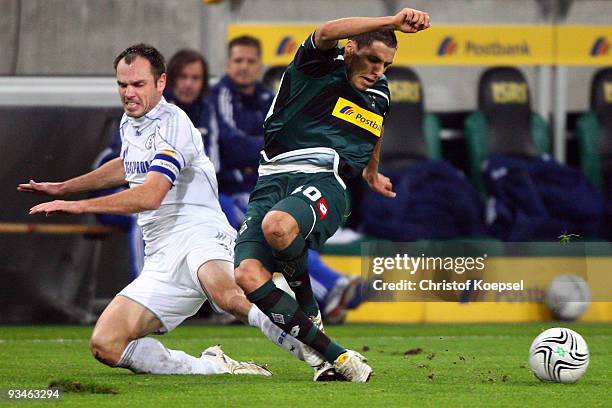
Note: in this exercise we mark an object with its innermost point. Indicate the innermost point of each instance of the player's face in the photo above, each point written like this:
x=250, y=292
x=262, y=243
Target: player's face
x=244, y=65
x=368, y=63
x=189, y=83
x=137, y=87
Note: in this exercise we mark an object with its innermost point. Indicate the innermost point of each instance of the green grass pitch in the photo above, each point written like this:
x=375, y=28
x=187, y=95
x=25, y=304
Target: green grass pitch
x=414, y=365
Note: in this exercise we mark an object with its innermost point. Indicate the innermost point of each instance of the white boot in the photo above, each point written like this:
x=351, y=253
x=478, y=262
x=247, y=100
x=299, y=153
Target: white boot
x=226, y=364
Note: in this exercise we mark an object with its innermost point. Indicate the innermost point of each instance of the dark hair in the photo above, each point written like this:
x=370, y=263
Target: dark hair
x=177, y=63
x=386, y=37
x=150, y=53
x=245, y=40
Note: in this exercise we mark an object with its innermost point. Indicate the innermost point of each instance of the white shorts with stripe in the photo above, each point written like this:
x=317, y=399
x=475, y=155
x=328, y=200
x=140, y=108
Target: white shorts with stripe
x=168, y=285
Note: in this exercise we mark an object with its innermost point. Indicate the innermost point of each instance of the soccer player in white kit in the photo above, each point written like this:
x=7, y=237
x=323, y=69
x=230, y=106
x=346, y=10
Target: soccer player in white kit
x=188, y=241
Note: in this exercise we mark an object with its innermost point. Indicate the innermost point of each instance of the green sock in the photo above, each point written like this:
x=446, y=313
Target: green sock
x=284, y=311
x=293, y=262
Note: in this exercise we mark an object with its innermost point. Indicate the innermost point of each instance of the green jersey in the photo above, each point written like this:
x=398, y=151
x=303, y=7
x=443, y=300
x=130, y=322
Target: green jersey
x=319, y=121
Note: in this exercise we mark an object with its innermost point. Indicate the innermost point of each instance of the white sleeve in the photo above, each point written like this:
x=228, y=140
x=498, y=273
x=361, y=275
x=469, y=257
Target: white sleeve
x=122, y=125
x=176, y=147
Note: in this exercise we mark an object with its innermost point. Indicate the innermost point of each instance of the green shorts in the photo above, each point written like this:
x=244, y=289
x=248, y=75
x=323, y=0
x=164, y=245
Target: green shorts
x=318, y=202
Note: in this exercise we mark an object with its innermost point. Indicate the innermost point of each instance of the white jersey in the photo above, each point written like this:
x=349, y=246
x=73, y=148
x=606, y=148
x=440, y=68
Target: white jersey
x=164, y=140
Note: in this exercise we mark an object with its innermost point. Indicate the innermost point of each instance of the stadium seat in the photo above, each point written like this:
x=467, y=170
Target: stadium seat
x=504, y=123
x=410, y=133
x=434, y=200
x=594, y=131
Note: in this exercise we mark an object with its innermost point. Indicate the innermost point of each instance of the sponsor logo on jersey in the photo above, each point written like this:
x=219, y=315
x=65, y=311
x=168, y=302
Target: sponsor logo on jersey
x=323, y=208
x=286, y=46
x=347, y=110
x=448, y=46
x=601, y=47
x=136, y=167
x=358, y=116
x=295, y=330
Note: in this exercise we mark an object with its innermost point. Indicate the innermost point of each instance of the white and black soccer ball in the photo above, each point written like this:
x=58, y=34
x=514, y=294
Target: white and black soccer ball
x=559, y=355
x=567, y=297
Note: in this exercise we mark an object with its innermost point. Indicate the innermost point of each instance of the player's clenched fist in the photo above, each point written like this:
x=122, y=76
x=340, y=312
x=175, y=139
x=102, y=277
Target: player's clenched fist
x=411, y=21
x=41, y=188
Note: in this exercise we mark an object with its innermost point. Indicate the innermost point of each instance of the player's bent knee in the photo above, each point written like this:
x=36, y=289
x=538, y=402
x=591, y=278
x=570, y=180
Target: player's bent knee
x=272, y=226
x=279, y=229
x=107, y=349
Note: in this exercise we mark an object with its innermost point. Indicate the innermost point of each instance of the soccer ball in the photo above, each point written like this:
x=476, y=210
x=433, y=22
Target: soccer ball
x=559, y=355
x=567, y=297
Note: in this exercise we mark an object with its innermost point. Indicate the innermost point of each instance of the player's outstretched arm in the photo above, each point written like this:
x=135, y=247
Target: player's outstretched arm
x=111, y=174
x=406, y=20
x=147, y=196
x=377, y=181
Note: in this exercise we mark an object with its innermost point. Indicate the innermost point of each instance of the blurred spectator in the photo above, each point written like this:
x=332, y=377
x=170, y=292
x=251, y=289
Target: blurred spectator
x=187, y=86
x=241, y=104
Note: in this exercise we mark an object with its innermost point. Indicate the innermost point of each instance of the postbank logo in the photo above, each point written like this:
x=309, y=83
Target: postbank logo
x=365, y=119
x=600, y=47
x=286, y=46
x=448, y=46
x=497, y=48
x=470, y=48
x=347, y=110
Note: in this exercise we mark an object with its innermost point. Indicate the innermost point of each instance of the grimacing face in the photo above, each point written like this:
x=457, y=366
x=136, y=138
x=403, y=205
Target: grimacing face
x=189, y=83
x=244, y=65
x=138, y=90
x=368, y=63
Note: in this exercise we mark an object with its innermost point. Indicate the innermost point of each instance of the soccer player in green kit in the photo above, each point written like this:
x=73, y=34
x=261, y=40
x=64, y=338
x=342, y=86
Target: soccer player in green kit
x=325, y=126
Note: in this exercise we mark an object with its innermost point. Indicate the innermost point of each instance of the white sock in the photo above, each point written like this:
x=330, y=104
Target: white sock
x=147, y=355
x=257, y=318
